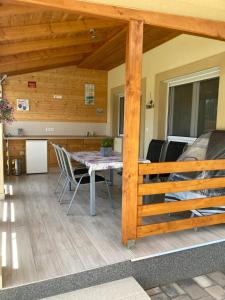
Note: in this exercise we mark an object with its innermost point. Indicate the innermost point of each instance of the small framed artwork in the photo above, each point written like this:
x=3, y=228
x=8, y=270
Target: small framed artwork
x=89, y=93
x=22, y=104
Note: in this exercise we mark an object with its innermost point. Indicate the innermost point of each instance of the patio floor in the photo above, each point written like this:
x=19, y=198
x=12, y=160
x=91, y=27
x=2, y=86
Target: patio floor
x=43, y=242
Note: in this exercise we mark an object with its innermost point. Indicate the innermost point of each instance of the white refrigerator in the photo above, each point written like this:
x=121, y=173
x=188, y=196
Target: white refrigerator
x=36, y=156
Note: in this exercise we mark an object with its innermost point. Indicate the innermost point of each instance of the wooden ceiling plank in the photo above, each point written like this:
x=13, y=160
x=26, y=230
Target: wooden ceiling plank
x=52, y=53
x=51, y=29
x=29, y=46
x=185, y=24
x=38, y=65
x=91, y=61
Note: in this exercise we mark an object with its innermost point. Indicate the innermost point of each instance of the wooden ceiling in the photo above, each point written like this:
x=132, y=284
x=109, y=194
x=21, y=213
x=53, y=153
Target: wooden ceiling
x=34, y=39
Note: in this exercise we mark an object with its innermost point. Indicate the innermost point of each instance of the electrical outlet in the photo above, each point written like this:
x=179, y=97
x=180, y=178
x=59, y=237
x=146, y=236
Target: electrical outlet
x=57, y=97
x=50, y=129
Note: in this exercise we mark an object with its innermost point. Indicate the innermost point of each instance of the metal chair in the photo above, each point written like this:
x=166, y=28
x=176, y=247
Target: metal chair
x=78, y=180
x=63, y=174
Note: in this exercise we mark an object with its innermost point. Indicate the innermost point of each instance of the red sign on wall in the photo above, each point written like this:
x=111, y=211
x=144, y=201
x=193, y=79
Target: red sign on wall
x=32, y=84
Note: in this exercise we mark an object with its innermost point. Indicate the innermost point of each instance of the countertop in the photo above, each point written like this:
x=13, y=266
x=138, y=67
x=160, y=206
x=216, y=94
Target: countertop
x=54, y=137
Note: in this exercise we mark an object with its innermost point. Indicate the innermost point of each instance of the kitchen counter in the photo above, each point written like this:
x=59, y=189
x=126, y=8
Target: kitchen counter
x=54, y=137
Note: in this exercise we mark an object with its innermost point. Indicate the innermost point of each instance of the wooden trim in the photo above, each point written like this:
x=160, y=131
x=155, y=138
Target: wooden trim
x=134, y=50
x=181, y=166
x=160, y=228
x=179, y=206
x=184, y=24
x=180, y=186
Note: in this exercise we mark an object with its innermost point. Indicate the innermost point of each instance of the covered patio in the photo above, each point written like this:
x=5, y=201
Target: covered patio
x=41, y=241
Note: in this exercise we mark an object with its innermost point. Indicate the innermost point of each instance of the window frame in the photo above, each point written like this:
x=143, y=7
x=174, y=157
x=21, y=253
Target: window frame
x=195, y=79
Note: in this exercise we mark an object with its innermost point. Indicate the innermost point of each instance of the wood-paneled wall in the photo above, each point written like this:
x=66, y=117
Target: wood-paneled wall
x=68, y=82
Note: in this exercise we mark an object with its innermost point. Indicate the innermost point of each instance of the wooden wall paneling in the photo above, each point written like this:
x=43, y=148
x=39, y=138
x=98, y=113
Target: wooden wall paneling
x=68, y=82
x=134, y=49
x=92, y=145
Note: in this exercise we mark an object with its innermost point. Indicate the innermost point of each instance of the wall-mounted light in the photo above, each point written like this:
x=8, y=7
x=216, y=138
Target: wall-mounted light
x=93, y=33
x=150, y=103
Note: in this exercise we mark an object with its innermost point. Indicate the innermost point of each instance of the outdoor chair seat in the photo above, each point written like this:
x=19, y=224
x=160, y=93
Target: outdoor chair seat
x=86, y=179
x=80, y=171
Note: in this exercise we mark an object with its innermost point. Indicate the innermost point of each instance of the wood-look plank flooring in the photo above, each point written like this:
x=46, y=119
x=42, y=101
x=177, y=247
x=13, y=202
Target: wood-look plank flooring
x=49, y=243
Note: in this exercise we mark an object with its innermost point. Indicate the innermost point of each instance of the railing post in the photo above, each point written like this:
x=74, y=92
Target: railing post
x=134, y=49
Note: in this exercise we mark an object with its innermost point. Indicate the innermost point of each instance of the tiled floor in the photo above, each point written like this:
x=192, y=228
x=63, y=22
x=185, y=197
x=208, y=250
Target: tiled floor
x=205, y=287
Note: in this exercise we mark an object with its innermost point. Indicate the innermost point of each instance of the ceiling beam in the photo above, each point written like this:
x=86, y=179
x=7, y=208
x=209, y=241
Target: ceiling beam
x=39, y=65
x=29, y=46
x=185, y=24
x=10, y=9
x=51, y=29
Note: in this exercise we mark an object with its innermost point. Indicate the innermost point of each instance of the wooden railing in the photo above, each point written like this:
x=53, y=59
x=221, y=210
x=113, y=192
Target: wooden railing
x=148, y=210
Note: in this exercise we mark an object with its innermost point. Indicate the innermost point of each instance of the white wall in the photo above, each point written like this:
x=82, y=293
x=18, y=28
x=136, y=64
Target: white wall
x=177, y=52
x=60, y=128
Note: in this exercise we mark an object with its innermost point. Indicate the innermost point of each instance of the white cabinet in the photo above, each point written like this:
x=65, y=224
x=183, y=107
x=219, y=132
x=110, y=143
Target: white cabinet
x=36, y=156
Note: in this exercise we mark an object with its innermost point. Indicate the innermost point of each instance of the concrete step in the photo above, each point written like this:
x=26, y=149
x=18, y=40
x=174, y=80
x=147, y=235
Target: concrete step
x=127, y=289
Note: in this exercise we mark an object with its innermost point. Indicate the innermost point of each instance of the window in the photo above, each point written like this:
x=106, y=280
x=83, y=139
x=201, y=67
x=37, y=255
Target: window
x=193, y=105
x=121, y=115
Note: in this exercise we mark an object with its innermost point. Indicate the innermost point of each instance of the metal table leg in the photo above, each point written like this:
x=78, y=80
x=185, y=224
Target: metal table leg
x=92, y=194
x=111, y=177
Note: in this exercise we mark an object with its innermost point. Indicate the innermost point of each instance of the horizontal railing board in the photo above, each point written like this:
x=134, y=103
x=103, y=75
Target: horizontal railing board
x=179, y=206
x=160, y=228
x=181, y=166
x=180, y=186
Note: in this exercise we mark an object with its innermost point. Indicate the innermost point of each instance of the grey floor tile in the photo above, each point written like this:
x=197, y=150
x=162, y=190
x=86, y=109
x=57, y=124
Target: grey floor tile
x=207, y=298
x=161, y=296
x=182, y=297
x=154, y=291
x=173, y=290
x=218, y=277
x=217, y=292
x=192, y=289
x=204, y=281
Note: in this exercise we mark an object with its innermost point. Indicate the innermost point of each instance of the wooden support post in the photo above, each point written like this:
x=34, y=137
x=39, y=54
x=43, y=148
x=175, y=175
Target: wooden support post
x=134, y=50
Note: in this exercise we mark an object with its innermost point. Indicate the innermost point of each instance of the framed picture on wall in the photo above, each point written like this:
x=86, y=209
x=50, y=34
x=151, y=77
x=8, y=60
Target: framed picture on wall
x=89, y=93
x=22, y=104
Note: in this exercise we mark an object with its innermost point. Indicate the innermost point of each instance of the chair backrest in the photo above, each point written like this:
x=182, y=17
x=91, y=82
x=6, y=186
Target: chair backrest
x=155, y=149
x=174, y=150
x=67, y=164
x=57, y=155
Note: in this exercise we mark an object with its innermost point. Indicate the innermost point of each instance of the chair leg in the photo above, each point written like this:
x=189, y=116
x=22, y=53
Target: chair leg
x=60, y=176
x=110, y=197
x=74, y=195
x=63, y=190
